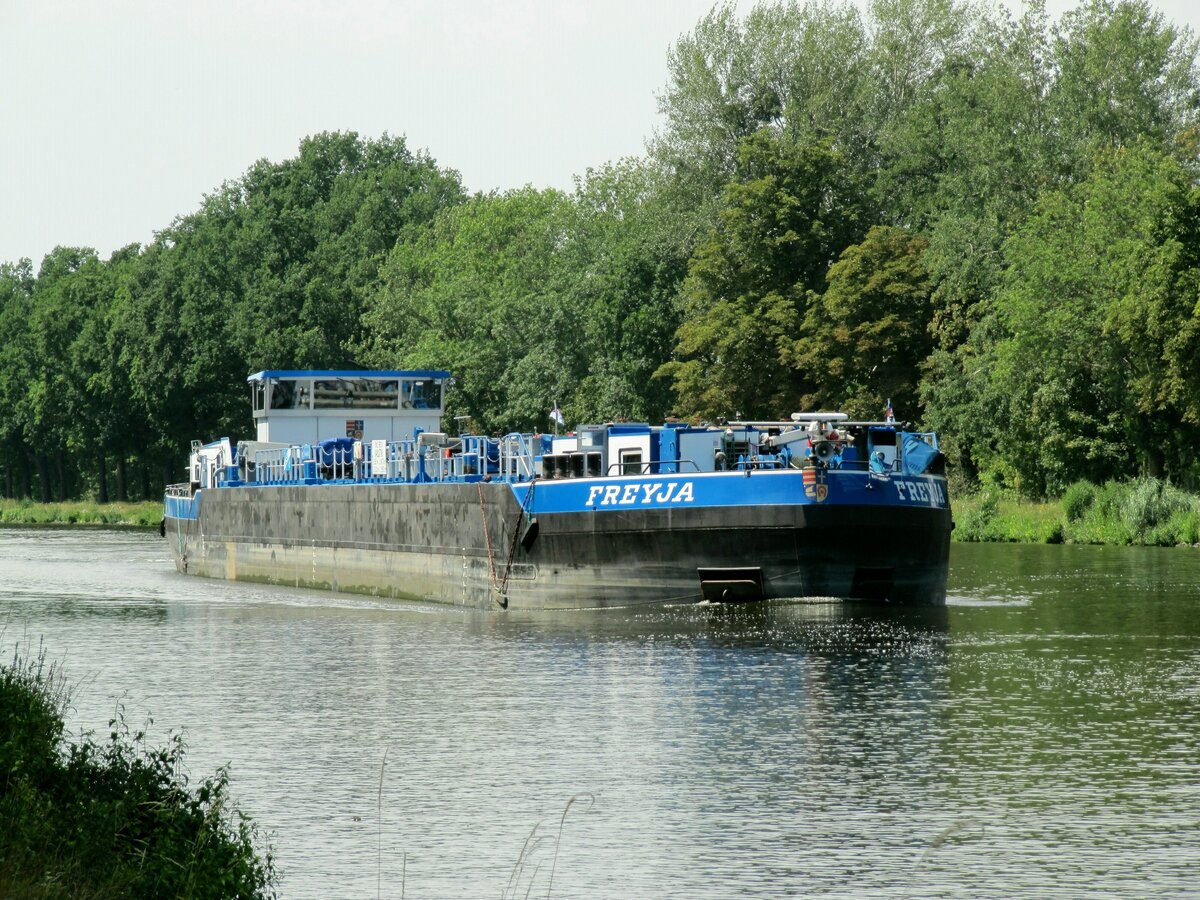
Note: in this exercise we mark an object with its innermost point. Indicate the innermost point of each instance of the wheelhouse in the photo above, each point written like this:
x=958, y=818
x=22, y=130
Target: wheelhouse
x=307, y=406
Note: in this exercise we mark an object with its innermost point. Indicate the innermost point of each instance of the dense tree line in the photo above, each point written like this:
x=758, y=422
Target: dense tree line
x=992, y=220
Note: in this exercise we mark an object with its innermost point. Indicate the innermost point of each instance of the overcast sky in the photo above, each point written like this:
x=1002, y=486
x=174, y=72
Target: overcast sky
x=116, y=117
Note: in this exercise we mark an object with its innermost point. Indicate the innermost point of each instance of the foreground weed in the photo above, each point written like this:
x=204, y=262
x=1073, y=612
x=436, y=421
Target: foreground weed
x=110, y=818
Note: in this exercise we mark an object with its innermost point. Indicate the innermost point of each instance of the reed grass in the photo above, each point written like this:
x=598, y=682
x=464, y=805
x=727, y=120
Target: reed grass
x=1138, y=512
x=145, y=514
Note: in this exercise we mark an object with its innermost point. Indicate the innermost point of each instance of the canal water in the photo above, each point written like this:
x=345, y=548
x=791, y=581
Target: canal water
x=1038, y=737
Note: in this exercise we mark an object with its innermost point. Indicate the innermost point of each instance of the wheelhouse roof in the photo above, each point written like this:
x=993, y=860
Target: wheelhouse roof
x=348, y=373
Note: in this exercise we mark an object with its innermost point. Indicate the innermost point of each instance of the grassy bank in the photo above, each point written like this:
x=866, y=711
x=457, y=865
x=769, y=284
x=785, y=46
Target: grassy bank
x=109, y=515
x=113, y=818
x=1142, y=511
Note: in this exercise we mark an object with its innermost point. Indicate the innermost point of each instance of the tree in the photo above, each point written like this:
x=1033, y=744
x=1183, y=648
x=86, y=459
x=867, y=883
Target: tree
x=1098, y=330
x=17, y=284
x=476, y=294
x=620, y=268
x=273, y=271
x=799, y=68
x=311, y=234
x=1125, y=74
x=791, y=210
x=864, y=340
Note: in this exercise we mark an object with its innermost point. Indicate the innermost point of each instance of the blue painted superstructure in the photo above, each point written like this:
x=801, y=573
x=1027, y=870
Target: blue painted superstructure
x=607, y=514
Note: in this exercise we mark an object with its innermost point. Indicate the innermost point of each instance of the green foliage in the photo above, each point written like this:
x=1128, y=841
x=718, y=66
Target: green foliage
x=789, y=213
x=621, y=266
x=130, y=359
x=1141, y=511
x=477, y=293
x=866, y=336
x=1126, y=74
x=1150, y=503
x=147, y=514
x=1095, y=320
x=1078, y=499
x=971, y=523
x=113, y=818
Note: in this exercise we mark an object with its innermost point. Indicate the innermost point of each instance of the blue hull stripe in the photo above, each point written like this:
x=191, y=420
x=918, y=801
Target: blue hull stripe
x=732, y=489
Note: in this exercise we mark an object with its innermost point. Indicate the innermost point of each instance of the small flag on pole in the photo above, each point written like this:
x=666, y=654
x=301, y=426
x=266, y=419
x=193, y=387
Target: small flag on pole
x=888, y=415
x=556, y=415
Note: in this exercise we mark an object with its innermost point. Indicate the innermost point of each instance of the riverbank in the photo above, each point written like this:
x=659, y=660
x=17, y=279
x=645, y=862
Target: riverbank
x=1142, y=512
x=107, y=515
x=112, y=817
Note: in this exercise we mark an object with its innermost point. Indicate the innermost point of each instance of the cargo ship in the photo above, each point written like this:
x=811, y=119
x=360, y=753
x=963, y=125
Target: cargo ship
x=351, y=484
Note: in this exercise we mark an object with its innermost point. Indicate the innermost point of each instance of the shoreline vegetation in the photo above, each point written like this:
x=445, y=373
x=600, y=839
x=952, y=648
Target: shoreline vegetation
x=108, y=817
x=1142, y=512
x=25, y=512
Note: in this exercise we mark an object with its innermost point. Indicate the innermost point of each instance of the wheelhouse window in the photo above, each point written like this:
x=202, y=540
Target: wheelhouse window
x=356, y=393
x=333, y=393
x=422, y=393
x=283, y=394
x=369, y=394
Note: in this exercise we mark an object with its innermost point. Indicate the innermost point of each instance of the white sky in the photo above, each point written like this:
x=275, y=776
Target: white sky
x=115, y=117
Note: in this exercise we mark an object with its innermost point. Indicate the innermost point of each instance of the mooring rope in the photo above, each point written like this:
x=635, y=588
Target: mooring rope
x=501, y=587
x=525, y=510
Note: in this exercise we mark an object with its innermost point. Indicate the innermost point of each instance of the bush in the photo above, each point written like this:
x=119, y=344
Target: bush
x=1151, y=502
x=1078, y=499
x=112, y=818
x=973, y=526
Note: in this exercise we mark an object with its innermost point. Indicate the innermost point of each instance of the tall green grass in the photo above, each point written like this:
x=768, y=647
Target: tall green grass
x=112, y=818
x=109, y=515
x=1141, y=511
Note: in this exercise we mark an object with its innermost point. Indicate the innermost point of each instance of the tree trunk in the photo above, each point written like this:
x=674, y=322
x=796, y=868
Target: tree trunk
x=43, y=471
x=144, y=468
x=1154, y=461
x=60, y=468
x=26, y=481
x=101, y=477
x=122, y=487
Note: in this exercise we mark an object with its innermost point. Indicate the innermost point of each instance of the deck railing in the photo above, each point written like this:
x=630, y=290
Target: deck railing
x=471, y=458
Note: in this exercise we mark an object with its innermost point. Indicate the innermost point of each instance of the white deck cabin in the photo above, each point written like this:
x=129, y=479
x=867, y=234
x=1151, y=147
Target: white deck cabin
x=306, y=406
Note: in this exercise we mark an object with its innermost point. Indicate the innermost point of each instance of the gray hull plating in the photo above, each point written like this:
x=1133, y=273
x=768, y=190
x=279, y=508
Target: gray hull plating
x=462, y=544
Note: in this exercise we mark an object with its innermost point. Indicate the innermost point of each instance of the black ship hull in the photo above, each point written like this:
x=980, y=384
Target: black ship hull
x=472, y=544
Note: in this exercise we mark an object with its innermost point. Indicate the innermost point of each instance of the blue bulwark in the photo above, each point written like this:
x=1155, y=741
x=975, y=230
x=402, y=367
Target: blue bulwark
x=673, y=491
x=348, y=373
x=182, y=507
